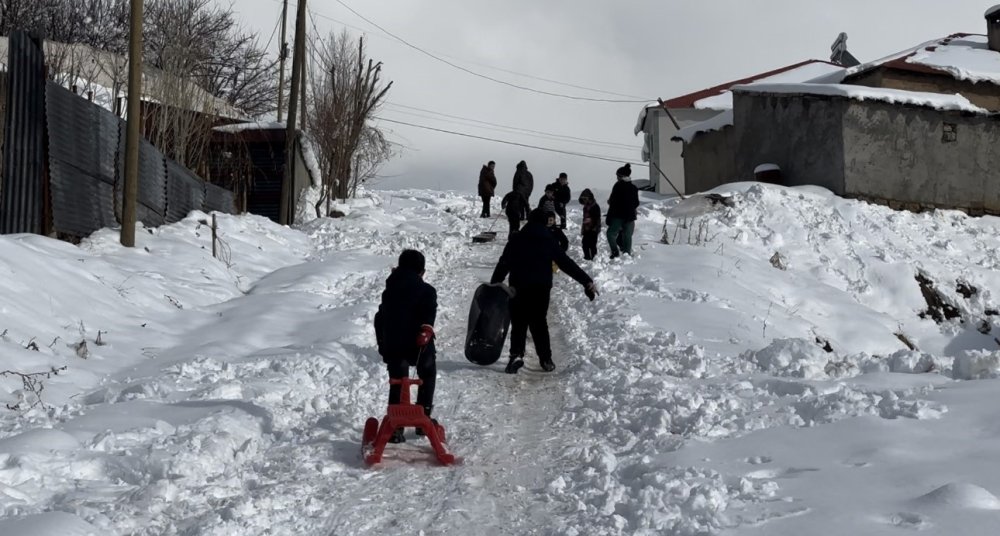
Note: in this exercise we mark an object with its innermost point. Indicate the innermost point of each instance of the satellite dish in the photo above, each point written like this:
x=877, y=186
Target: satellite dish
x=839, y=53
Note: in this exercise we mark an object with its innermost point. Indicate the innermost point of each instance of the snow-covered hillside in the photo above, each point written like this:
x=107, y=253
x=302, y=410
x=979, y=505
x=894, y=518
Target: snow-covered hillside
x=791, y=364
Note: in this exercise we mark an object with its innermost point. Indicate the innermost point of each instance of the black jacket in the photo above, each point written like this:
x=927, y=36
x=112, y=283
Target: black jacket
x=515, y=205
x=624, y=201
x=524, y=181
x=407, y=303
x=560, y=238
x=528, y=258
x=487, y=182
x=563, y=194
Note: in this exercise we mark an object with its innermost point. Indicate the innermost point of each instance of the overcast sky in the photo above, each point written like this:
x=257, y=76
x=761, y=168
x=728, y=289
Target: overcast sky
x=641, y=48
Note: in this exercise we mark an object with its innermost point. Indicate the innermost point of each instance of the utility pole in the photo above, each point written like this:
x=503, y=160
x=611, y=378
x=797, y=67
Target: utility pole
x=287, y=212
x=282, y=54
x=133, y=125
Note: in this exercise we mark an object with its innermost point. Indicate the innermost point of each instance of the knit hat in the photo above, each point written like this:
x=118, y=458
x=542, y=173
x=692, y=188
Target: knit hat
x=624, y=171
x=563, y=176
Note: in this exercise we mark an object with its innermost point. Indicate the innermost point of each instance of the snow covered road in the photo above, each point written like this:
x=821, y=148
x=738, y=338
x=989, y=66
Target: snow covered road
x=694, y=397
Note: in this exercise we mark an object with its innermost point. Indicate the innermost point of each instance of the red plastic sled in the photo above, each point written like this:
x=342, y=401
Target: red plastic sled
x=404, y=414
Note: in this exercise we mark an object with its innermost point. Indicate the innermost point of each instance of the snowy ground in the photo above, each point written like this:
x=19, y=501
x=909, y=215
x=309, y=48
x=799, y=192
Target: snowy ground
x=705, y=391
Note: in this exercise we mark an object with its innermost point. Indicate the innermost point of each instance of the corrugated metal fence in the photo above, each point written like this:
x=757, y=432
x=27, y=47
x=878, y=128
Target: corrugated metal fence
x=21, y=196
x=86, y=155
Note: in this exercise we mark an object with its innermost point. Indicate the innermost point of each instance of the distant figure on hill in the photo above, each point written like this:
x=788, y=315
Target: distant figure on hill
x=563, y=195
x=404, y=330
x=528, y=258
x=622, y=212
x=524, y=181
x=590, y=228
x=487, y=187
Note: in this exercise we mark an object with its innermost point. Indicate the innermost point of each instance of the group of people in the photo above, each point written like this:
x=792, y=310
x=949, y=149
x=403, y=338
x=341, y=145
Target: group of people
x=622, y=206
x=404, y=323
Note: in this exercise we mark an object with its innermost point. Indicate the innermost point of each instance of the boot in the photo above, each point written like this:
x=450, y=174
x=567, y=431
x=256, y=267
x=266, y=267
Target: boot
x=397, y=436
x=427, y=411
x=547, y=364
x=515, y=364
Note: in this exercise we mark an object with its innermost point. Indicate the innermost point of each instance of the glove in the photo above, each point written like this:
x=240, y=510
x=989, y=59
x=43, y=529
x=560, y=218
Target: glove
x=426, y=335
x=591, y=291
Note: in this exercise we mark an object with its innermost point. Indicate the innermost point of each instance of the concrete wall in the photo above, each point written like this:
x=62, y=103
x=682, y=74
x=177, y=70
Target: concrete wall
x=800, y=133
x=667, y=153
x=983, y=94
x=710, y=160
x=897, y=154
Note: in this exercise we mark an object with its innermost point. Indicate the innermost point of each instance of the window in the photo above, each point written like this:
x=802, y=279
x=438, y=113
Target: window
x=949, y=132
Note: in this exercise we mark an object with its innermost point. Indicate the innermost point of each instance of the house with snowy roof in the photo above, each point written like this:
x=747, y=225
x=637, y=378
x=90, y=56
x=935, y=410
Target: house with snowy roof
x=915, y=130
x=658, y=127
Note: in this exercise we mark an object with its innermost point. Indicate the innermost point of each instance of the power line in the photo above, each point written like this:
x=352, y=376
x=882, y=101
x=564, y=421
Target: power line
x=395, y=40
x=589, y=141
x=549, y=149
x=483, y=76
x=273, y=32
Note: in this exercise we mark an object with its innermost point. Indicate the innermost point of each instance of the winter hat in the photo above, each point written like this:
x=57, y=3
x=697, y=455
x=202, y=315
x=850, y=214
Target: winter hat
x=522, y=164
x=563, y=175
x=586, y=194
x=413, y=260
x=624, y=171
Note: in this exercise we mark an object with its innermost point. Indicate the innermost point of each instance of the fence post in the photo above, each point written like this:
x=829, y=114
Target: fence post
x=214, y=234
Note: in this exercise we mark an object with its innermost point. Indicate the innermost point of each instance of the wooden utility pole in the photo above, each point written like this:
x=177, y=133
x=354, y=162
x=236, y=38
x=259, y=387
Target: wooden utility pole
x=287, y=212
x=133, y=125
x=282, y=54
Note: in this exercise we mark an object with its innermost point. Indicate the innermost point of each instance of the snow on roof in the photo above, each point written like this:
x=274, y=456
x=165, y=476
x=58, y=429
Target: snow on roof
x=937, y=101
x=719, y=97
x=992, y=11
x=255, y=125
x=961, y=55
x=967, y=58
x=640, y=123
x=803, y=73
x=718, y=122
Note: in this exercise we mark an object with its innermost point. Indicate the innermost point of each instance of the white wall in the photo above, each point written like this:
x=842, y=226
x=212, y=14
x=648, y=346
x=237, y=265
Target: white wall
x=667, y=153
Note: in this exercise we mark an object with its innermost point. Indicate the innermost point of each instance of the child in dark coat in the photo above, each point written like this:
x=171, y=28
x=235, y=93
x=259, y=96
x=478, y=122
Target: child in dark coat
x=404, y=330
x=557, y=233
x=516, y=207
x=591, y=227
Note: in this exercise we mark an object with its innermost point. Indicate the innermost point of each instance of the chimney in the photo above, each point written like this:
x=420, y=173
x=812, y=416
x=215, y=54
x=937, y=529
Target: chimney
x=993, y=27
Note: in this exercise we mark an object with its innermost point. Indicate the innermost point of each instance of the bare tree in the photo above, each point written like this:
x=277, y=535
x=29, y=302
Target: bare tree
x=346, y=92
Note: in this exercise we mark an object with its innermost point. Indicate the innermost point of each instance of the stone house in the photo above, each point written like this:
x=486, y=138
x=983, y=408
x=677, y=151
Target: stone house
x=915, y=130
x=694, y=108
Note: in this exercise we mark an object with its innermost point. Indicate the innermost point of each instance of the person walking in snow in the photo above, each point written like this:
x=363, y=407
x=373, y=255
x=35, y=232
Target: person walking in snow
x=524, y=181
x=622, y=207
x=487, y=186
x=404, y=330
x=516, y=207
x=590, y=229
x=563, y=195
x=528, y=259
